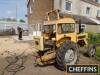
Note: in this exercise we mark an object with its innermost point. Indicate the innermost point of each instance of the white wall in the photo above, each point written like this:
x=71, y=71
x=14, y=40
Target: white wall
x=78, y=7
x=60, y=4
x=93, y=9
x=57, y=4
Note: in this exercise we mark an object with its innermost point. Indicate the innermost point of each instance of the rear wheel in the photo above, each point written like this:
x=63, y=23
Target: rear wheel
x=91, y=51
x=67, y=53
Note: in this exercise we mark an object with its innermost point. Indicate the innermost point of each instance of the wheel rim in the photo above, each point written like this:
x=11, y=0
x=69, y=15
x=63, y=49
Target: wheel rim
x=92, y=52
x=70, y=57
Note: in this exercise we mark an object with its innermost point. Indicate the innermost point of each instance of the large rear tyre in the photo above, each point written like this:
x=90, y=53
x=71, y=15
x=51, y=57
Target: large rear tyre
x=67, y=53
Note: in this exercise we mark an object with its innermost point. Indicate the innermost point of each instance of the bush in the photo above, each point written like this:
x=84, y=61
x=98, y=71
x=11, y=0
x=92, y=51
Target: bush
x=94, y=38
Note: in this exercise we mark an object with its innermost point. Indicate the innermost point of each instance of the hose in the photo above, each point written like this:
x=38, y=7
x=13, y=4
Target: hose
x=13, y=66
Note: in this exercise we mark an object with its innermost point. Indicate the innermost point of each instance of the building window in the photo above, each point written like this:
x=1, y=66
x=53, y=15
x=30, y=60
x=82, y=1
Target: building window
x=68, y=5
x=98, y=13
x=97, y=1
x=88, y=10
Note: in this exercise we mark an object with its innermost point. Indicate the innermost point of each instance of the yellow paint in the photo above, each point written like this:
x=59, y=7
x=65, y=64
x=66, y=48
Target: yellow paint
x=38, y=42
x=84, y=38
x=48, y=57
x=66, y=20
x=62, y=38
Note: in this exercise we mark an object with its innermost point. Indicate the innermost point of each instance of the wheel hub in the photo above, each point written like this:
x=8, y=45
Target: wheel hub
x=70, y=57
x=92, y=52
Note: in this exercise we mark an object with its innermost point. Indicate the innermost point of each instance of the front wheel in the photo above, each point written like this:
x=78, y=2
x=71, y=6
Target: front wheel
x=67, y=53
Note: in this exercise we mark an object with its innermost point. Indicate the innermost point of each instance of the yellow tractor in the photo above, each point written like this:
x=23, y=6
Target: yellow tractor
x=59, y=42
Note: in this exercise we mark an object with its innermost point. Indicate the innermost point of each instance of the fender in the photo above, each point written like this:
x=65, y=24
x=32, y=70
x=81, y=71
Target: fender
x=60, y=41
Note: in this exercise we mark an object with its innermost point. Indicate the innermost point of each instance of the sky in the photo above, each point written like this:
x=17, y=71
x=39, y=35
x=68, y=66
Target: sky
x=8, y=9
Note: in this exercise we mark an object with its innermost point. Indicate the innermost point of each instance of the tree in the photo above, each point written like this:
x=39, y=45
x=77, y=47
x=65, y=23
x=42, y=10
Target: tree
x=21, y=20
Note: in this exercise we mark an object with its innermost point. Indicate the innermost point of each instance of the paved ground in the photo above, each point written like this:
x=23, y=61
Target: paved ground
x=10, y=46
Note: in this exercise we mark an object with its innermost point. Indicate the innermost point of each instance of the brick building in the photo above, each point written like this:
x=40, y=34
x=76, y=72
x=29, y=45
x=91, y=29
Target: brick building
x=37, y=10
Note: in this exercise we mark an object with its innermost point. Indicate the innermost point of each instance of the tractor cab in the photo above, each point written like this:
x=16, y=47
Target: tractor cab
x=55, y=31
x=59, y=30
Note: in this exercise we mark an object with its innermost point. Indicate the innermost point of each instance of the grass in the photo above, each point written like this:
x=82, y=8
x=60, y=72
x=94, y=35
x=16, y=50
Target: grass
x=98, y=52
x=98, y=55
x=99, y=69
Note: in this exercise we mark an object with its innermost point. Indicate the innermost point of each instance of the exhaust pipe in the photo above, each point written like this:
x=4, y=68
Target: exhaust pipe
x=80, y=27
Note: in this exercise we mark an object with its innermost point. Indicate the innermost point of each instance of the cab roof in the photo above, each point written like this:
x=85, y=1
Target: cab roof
x=64, y=20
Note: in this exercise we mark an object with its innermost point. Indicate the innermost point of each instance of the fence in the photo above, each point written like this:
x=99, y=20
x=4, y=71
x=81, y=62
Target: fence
x=11, y=28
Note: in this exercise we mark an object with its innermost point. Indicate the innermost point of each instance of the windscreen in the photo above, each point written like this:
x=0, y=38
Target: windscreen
x=66, y=28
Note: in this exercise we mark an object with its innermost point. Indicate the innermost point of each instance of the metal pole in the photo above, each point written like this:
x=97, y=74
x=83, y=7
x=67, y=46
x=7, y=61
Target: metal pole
x=16, y=12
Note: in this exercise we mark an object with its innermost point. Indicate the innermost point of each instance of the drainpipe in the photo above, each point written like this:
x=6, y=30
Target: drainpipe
x=60, y=4
x=52, y=5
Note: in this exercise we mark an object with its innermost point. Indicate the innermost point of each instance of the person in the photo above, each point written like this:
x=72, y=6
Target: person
x=19, y=33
